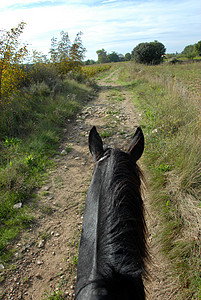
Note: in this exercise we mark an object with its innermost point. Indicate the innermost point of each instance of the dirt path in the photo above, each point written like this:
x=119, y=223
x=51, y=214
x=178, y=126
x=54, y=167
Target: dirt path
x=46, y=256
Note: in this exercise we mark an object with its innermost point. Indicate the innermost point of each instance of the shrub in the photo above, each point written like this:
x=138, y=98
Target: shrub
x=149, y=53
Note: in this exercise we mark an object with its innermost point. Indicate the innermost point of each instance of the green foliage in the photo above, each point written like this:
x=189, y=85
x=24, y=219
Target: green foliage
x=89, y=62
x=66, y=56
x=55, y=295
x=11, y=56
x=102, y=56
x=189, y=51
x=113, y=57
x=127, y=56
x=75, y=260
x=149, y=53
x=197, y=48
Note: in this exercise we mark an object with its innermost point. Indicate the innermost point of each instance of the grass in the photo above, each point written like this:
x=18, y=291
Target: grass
x=170, y=121
x=55, y=295
x=31, y=127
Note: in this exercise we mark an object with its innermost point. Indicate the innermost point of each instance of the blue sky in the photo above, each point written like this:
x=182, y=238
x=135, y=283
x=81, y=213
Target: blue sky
x=110, y=24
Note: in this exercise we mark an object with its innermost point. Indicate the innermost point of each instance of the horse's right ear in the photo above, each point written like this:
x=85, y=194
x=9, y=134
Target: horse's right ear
x=137, y=145
x=95, y=144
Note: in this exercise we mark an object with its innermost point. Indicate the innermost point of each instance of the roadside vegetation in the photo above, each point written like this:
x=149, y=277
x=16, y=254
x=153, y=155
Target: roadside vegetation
x=169, y=99
x=37, y=100
x=94, y=70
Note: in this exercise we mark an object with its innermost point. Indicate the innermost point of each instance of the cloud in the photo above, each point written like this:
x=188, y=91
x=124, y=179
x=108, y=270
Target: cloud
x=111, y=24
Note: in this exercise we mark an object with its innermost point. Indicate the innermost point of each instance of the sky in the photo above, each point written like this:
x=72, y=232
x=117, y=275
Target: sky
x=112, y=25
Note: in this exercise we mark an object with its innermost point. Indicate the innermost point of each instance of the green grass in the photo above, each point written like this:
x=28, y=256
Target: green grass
x=31, y=127
x=170, y=121
x=55, y=295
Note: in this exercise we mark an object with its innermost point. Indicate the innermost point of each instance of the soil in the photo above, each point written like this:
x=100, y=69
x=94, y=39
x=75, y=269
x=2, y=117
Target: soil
x=46, y=255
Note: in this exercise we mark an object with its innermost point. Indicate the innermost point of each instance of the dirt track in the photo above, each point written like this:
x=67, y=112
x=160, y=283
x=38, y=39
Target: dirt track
x=46, y=255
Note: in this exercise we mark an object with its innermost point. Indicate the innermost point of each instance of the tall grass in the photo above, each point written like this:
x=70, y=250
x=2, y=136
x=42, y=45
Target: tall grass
x=171, y=121
x=31, y=127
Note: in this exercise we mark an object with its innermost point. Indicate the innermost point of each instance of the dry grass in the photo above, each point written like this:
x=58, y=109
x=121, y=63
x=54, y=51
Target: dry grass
x=169, y=100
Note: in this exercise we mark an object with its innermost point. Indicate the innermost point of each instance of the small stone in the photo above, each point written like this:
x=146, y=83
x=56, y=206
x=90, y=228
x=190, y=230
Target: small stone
x=40, y=262
x=2, y=267
x=52, y=232
x=57, y=234
x=63, y=152
x=41, y=244
x=53, y=253
x=155, y=130
x=18, y=205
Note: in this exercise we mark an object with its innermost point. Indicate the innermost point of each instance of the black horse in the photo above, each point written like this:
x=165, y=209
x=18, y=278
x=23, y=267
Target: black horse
x=113, y=248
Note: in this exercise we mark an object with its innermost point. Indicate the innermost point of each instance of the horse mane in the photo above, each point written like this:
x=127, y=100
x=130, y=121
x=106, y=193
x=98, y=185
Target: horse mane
x=121, y=245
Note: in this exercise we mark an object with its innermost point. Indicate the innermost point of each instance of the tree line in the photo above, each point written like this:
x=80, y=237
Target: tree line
x=147, y=53
x=104, y=57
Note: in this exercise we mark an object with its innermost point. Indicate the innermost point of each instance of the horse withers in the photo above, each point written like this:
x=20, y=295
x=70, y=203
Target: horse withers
x=113, y=248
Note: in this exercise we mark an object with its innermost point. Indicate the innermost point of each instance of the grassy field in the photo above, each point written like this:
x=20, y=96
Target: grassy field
x=169, y=99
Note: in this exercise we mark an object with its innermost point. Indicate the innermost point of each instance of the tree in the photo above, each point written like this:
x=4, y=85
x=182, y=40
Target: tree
x=12, y=55
x=127, y=56
x=65, y=56
x=149, y=53
x=54, y=50
x=113, y=57
x=102, y=56
x=77, y=52
x=197, y=48
x=121, y=57
x=189, y=51
x=89, y=62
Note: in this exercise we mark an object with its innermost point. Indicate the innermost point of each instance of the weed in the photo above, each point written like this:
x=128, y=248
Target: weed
x=45, y=236
x=68, y=148
x=106, y=133
x=55, y=295
x=75, y=260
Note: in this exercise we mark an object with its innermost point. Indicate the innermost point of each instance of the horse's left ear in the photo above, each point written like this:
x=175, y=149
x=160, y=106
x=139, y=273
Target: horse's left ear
x=95, y=144
x=137, y=145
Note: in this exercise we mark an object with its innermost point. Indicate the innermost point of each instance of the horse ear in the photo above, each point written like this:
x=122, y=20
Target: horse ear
x=137, y=145
x=95, y=144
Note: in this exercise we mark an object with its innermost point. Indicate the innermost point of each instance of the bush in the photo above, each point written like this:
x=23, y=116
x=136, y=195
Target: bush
x=149, y=53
